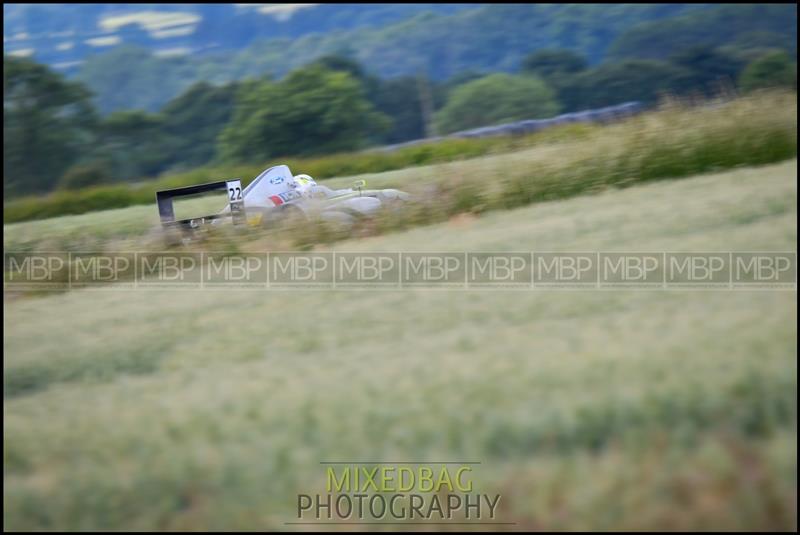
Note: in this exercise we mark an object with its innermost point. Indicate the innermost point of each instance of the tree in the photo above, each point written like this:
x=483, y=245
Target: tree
x=83, y=175
x=771, y=70
x=708, y=66
x=547, y=63
x=764, y=40
x=460, y=78
x=194, y=121
x=399, y=99
x=312, y=111
x=128, y=77
x=716, y=26
x=344, y=63
x=47, y=123
x=135, y=142
x=559, y=68
x=496, y=99
x=614, y=83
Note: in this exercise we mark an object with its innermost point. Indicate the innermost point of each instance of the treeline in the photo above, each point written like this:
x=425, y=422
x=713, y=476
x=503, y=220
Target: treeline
x=677, y=140
x=491, y=38
x=225, y=27
x=119, y=195
x=54, y=138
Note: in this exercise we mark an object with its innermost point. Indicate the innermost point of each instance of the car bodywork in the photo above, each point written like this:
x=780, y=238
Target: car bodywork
x=276, y=193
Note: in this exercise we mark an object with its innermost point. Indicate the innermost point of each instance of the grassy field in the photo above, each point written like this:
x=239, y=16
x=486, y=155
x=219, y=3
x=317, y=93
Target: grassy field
x=103, y=197
x=587, y=409
x=678, y=139
x=138, y=226
x=670, y=143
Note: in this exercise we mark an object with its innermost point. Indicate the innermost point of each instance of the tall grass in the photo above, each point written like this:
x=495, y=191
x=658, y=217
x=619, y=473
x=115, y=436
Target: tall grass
x=675, y=141
x=66, y=202
x=587, y=410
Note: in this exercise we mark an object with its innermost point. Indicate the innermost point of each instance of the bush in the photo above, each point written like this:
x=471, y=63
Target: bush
x=72, y=201
x=496, y=99
x=774, y=69
x=675, y=141
x=83, y=175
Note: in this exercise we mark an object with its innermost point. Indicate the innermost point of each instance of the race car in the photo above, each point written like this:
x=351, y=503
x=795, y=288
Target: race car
x=277, y=194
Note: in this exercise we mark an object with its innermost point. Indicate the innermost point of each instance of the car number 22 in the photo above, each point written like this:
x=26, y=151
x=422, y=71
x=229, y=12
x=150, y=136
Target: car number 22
x=234, y=191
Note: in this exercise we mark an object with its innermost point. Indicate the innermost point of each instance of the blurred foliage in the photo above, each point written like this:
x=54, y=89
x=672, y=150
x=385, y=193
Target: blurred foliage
x=772, y=70
x=548, y=63
x=314, y=110
x=679, y=140
x=129, y=77
x=439, y=41
x=194, y=121
x=637, y=417
x=149, y=409
x=339, y=101
x=708, y=68
x=183, y=135
x=698, y=69
x=443, y=44
x=47, y=122
x=221, y=27
x=742, y=24
x=612, y=83
x=496, y=99
x=134, y=141
x=399, y=98
x=87, y=174
x=120, y=195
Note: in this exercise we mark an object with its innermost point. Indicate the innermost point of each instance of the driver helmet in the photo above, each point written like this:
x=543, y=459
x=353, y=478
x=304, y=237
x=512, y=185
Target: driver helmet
x=303, y=184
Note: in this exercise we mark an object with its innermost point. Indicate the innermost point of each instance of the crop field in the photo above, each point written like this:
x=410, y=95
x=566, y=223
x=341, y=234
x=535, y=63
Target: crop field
x=587, y=409
x=675, y=141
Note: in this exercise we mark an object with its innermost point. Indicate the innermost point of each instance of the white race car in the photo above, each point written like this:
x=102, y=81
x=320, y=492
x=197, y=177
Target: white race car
x=275, y=194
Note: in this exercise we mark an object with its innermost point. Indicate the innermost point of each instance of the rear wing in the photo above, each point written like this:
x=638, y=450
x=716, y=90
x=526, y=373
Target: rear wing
x=235, y=198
